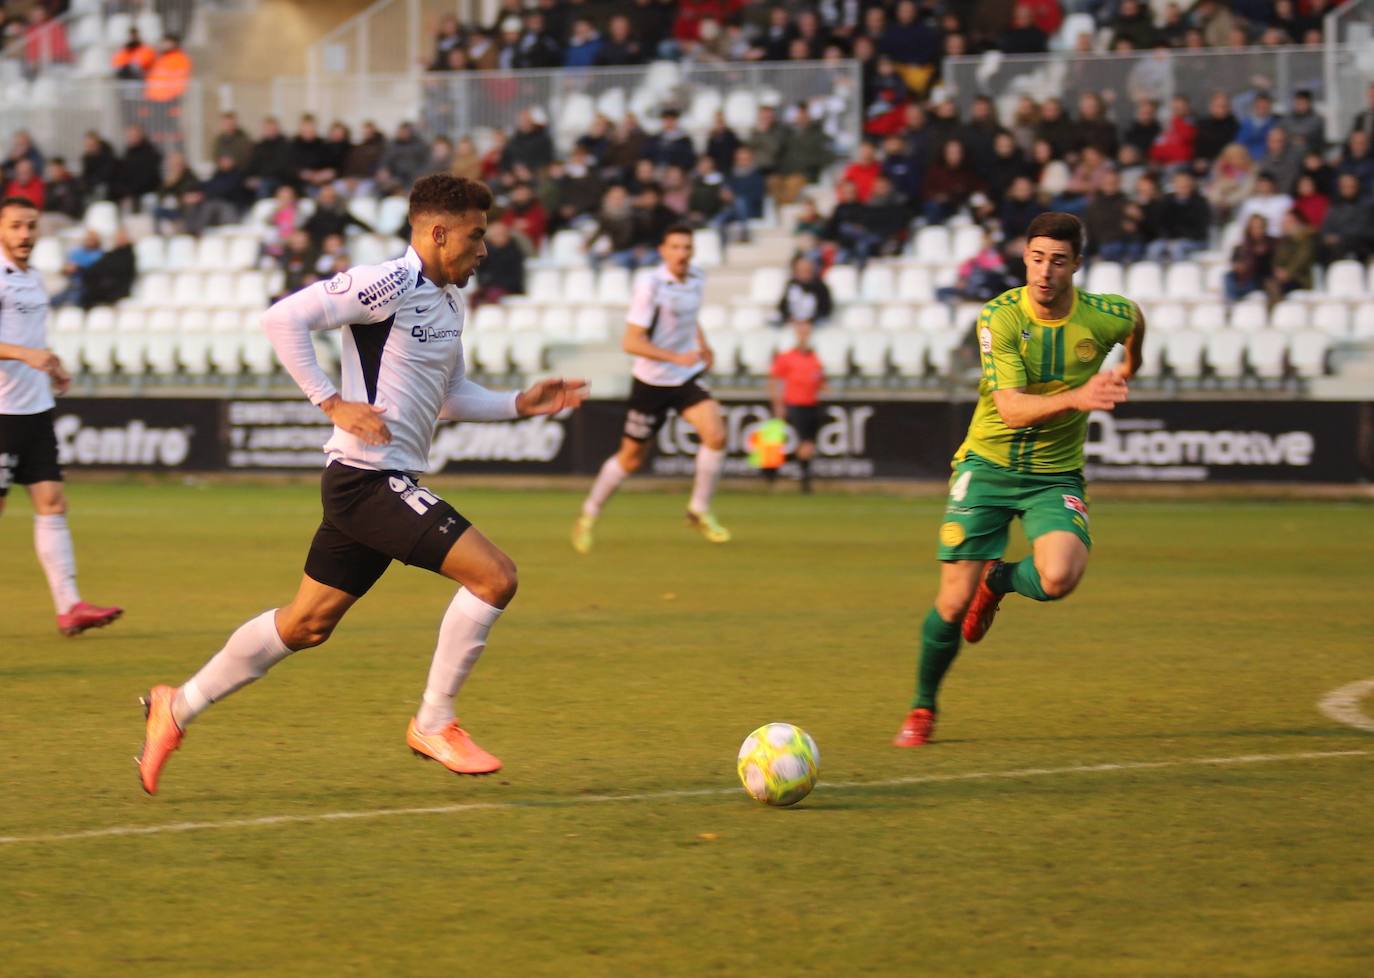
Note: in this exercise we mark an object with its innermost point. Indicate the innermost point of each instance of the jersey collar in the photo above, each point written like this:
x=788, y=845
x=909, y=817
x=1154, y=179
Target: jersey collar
x=1029, y=310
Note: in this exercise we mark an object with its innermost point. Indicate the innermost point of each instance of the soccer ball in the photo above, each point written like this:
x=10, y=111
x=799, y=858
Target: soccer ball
x=778, y=764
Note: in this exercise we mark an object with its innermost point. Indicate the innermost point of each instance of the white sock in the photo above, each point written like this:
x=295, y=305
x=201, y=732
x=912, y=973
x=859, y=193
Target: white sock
x=608, y=480
x=708, y=474
x=253, y=649
x=53, y=543
x=462, y=637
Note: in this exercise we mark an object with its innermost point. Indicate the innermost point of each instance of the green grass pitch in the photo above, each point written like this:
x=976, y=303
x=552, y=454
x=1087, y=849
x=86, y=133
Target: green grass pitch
x=1203, y=630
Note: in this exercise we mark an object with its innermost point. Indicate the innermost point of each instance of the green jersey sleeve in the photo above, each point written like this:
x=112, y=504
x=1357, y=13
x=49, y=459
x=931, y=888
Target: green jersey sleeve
x=999, y=345
x=1121, y=306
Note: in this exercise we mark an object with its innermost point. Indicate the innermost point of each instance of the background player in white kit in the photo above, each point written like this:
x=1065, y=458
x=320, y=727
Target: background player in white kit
x=402, y=370
x=29, y=373
x=671, y=355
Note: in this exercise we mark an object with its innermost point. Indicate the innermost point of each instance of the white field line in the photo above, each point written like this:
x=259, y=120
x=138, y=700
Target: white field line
x=825, y=787
x=1343, y=705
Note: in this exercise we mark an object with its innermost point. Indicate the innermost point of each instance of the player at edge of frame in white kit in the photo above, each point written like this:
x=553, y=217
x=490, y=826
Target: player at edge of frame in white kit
x=671, y=356
x=30, y=373
x=402, y=371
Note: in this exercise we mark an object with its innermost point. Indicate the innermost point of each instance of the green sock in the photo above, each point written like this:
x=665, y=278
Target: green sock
x=1021, y=577
x=939, y=646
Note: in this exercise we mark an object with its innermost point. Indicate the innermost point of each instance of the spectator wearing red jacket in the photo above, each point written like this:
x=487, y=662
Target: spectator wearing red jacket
x=525, y=215
x=1175, y=144
x=863, y=172
x=1045, y=14
x=26, y=183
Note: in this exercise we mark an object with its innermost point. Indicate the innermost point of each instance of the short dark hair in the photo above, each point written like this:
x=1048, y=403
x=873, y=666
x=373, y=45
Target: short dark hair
x=14, y=200
x=673, y=229
x=1060, y=227
x=443, y=193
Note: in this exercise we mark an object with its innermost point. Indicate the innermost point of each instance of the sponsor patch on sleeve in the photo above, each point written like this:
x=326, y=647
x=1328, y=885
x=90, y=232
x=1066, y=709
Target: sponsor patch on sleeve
x=985, y=339
x=339, y=284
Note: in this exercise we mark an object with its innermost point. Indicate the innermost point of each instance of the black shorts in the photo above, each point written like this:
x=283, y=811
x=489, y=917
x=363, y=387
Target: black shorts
x=649, y=405
x=805, y=420
x=372, y=518
x=28, y=450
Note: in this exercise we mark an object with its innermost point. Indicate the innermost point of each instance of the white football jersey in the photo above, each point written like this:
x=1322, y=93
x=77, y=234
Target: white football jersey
x=23, y=322
x=667, y=309
x=402, y=350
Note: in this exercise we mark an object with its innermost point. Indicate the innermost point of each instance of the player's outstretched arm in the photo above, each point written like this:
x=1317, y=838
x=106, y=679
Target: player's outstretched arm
x=1018, y=409
x=551, y=396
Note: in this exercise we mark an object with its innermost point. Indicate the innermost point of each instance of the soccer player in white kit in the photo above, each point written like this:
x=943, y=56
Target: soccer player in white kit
x=671, y=356
x=29, y=373
x=402, y=367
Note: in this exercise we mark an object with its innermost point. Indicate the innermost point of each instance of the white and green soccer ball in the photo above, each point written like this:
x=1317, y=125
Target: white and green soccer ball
x=779, y=764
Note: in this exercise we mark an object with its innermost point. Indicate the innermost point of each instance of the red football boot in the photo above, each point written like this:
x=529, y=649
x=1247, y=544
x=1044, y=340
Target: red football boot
x=978, y=618
x=82, y=616
x=917, y=730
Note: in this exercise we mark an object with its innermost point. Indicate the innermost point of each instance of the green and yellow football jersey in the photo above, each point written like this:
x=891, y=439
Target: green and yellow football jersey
x=1021, y=351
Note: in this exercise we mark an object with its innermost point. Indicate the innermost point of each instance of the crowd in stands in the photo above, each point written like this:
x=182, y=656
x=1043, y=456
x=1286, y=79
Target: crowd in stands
x=901, y=37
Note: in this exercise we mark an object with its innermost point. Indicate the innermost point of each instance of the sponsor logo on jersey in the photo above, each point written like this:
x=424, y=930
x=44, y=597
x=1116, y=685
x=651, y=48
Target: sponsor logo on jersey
x=135, y=443
x=985, y=339
x=385, y=288
x=1076, y=504
x=339, y=284
x=1085, y=350
x=426, y=333
x=951, y=534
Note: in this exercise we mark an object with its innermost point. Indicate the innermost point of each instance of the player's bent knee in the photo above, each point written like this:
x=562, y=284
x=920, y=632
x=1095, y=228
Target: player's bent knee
x=1058, y=582
x=498, y=583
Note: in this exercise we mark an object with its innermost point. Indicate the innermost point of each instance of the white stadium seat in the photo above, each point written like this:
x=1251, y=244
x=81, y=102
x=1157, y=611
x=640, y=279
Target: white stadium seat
x=897, y=318
x=725, y=346
x=913, y=285
x=193, y=341
x=766, y=286
x=613, y=286
x=1144, y=281
x=556, y=323
x=243, y=252
x=188, y=290
x=756, y=350
x=161, y=349
x=102, y=217
x=527, y=352
x=932, y=245
x=870, y=353
x=1105, y=276
x=858, y=318
x=1345, y=279
x=128, y=352
x=565, y=249
x=250, y=290
x=488, y=318
x=218, y=290
x=1307, y=350
x=592, y=325
x=47, y=256
x=365, y=209
x=1332, y=318
x=212, y=253
x=98, y=343
x=843, y=281
x=1364, y=321
x=1249, y=317
x=832, y=348
x=1183, y=352
x=522, y=318
x=744, y=318
x=545, y=286
x=934, y=318
x=706, y=250
x=1183, y=281
x=1289, y=315
x=69, y=319
x=876, y=284
x=909, y=353
x=940, y=347
x=1207, y=317
x=392, y=215
x=150, y=254
x=1264, y=351
x=491, y=352
x=1166, y=317
x=713, y=317
x=966, y=242
x=579, y=285
x=181, y=253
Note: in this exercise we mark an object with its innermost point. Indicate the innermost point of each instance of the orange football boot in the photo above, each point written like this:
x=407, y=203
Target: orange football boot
x=983, y=609
x=453, y=748
x=161, y=737
x=917, y=730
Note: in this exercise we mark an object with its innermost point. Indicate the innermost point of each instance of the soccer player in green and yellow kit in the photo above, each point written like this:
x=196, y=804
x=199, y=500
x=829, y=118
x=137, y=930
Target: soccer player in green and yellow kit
x=1042, y=346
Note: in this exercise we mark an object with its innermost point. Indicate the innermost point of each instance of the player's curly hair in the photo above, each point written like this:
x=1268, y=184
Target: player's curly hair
x=443, y=193
x=1060, y=227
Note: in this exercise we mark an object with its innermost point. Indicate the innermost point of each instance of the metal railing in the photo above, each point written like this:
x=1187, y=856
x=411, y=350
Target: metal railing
x=1123, y=78
x=1349, y=63
x=390, y=37
x=469, y=103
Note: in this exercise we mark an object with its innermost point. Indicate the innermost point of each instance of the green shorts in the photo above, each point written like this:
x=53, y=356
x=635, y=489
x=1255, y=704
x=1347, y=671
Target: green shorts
x=984, y=498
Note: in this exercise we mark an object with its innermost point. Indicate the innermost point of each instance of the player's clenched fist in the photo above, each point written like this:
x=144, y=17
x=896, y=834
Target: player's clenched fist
x=1102, y=392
